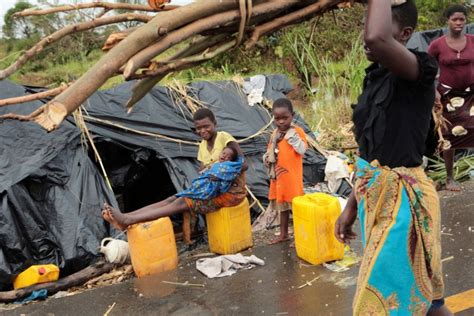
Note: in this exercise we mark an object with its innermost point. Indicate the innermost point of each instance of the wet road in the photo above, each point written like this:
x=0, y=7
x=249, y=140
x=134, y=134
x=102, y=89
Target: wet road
x=274, y=289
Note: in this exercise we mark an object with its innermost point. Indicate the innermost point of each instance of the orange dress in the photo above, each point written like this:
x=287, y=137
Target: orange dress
x=289, y=183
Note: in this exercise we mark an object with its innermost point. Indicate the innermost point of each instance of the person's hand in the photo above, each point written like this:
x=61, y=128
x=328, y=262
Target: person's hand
x=343, y=227
x=213, y=178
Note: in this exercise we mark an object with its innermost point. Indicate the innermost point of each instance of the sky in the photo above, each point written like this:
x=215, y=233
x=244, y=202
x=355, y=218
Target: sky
x=7, y=4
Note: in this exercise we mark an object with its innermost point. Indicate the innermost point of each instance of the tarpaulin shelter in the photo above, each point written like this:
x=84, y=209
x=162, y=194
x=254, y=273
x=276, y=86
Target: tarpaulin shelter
x=51, y=191
x=421, y=40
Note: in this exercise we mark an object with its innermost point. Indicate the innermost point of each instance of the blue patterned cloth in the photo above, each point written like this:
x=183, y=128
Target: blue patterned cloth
x=213, y=181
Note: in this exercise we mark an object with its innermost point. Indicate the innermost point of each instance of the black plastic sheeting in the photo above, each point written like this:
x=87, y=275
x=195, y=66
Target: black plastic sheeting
x=50, y=195
x=51, y=192
x=421, y=40
x=159, y=112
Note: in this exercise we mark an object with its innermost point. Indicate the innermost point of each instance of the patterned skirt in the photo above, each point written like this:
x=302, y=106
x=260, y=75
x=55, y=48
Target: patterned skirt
x=399, y=215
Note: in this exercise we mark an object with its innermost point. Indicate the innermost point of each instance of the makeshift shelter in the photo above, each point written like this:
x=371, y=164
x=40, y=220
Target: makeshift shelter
x=51, y=191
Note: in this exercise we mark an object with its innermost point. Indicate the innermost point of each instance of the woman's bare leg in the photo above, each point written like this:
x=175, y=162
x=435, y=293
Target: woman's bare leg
x=161, y=203
x=451, y=185
x=147, y=213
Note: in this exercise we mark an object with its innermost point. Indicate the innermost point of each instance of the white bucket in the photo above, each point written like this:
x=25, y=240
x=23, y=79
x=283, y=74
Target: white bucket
x=114, y=250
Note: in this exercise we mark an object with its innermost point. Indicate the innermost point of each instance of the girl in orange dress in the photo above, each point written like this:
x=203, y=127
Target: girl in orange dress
x=284, y=161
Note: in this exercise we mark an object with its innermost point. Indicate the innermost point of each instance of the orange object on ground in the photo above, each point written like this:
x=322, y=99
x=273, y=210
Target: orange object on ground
x=152, y=247
x=35, y=274
x=289, y=183
x=314, y=217
x=229, y=230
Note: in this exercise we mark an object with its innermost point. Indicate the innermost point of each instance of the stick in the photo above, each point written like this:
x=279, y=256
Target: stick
x=35, y=96
x=183, y=284
x=79, y=6
x=308, y=283
x=255, y=199
x=109, y=309
x=447, y=259
x=65, y=283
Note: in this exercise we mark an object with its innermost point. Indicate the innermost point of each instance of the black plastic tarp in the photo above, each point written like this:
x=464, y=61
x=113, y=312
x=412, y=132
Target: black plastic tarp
x=50, y=195
x=163, y=114
x=421, y=40
x=51, y=192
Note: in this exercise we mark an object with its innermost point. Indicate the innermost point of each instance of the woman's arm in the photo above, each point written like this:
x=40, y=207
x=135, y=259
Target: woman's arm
x=385, y=49
x=236, y=146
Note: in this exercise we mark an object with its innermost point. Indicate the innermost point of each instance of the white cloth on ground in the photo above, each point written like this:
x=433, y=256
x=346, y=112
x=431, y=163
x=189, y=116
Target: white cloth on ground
x=335, y=171
x=227, y=265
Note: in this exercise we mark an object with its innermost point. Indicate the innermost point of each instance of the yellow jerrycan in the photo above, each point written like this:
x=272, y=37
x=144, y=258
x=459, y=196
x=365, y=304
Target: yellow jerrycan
x=152, y=247
x=41, y=273
x=314, y=217
x=229, y=230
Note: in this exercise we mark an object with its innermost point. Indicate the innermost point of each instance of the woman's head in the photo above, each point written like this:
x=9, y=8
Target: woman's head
x=457, y=18
x=205, y=123
x=228, y=154
x=283, y=114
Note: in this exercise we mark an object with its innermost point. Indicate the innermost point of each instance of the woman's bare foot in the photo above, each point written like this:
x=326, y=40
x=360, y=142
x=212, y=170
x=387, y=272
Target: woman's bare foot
x=278, y=240
x=114, y=217
x=452, y=185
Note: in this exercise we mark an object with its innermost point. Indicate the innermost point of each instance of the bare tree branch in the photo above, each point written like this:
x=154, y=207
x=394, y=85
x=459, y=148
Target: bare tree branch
x=80, y=27
x=80, y=6
x=291, y=18
x=189, y=30
x=35, y=96
x=142, y=87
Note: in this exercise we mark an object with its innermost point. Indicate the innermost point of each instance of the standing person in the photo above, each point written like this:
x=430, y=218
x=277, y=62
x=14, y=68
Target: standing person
x=284, y=160
x=397, y=204
x=455, y=91
x=211, y=152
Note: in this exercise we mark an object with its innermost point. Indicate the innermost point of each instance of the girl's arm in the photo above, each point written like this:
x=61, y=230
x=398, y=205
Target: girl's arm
x=385, y=49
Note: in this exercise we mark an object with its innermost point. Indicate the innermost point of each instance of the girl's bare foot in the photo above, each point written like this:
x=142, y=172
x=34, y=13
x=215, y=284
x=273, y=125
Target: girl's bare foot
x=278, y=240
x=114, y=217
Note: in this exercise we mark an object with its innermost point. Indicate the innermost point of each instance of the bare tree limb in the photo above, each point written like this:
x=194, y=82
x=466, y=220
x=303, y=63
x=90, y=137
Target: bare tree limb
x=294, y=17
x=142, y=87
x=53, y=113
x=189, y=30
x=184, y=63
x=80, y=6
x=35, y=96
x=80, y=27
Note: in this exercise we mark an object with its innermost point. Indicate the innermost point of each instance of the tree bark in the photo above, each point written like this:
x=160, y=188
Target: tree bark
x=65, y=283
x=294, y=17
x=79, y=6
x=187, y=31
x=80, y=27
x=142, y=87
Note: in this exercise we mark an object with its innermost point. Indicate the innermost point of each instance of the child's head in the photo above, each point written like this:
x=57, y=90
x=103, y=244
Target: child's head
x=205, y=123
x=228, y=154
x=404, y=19
x=457, y=18
x=283, y=114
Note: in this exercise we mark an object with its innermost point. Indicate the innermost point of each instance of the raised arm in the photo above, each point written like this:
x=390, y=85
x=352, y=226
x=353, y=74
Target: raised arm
x=386, y=41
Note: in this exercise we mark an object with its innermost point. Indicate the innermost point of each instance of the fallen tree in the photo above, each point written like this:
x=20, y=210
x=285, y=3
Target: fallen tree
x=135, y=52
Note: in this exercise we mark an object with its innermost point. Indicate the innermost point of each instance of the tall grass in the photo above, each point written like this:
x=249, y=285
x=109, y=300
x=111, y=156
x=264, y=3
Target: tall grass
x=332, y=86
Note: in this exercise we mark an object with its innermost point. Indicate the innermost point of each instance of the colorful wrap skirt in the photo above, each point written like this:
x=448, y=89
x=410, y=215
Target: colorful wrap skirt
x=399, y=213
